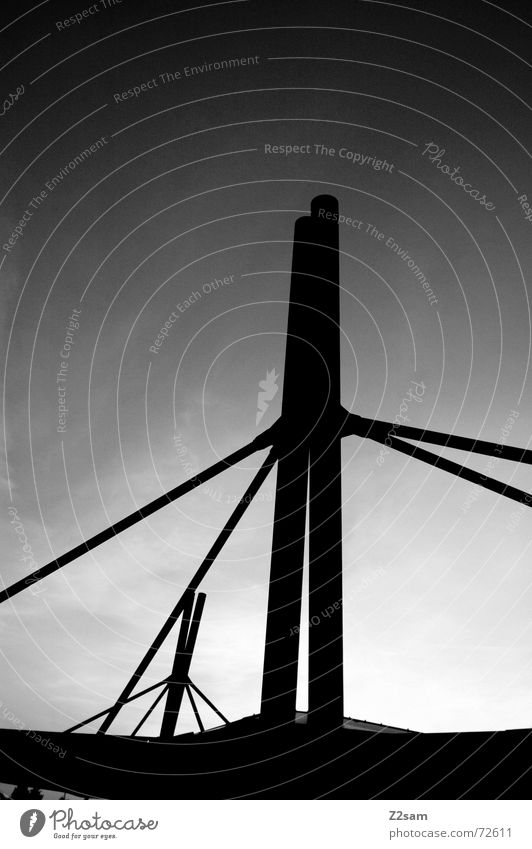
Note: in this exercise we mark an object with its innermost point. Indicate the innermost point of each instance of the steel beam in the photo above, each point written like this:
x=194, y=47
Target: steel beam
x=310, y=433
x=264, y=440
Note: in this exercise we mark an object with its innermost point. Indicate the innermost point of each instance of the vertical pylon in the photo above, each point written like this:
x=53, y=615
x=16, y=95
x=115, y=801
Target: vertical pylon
x=325, y=698
x=309, y=455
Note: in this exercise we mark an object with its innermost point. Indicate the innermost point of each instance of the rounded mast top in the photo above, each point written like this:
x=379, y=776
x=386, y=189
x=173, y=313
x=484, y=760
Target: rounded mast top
x=323, y=204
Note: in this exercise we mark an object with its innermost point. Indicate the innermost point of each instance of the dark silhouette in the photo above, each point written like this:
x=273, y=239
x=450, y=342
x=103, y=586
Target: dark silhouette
x=282, y=753
x=23, y=792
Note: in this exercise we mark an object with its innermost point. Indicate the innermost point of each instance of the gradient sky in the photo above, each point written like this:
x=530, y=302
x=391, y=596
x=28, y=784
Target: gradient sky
x=437, y=575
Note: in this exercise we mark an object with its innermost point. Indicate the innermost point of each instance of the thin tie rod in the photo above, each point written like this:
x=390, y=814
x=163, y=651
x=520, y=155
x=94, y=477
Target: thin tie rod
x=262, y=441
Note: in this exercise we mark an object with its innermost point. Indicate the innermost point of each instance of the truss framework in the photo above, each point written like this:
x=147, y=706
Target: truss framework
x=305, y=444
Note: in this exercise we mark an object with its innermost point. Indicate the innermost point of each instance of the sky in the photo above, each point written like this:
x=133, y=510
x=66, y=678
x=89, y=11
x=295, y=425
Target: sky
x=184, y=203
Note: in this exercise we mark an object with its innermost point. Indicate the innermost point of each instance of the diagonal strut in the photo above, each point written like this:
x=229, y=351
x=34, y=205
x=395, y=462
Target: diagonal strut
x=456, y=469
x=194, y=583
x=374, y=429
x=262, y=441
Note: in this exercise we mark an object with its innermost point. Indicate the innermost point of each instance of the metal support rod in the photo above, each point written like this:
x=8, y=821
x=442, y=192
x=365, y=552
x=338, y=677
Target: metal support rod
x=460, y=471
x=195, y=623
x=262, y=441
x=194, y=708
x=372, y=428
x=234, y=519
x=178, y=676
x=180, y=672
x=200, y=574
x=149, y=711
x=106, y=710
x=146, y=660
x=186, y=601
x=208, y=702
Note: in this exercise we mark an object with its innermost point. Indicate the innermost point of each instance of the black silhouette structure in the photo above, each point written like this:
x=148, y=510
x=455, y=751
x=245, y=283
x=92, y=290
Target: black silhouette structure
x=281, y=753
